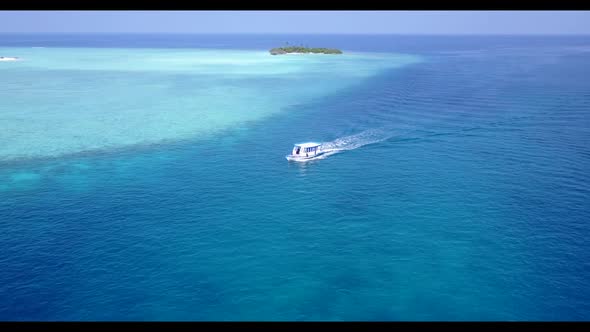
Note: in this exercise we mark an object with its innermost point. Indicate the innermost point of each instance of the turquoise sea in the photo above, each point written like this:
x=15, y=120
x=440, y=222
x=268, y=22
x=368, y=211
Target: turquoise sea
x=143, y=177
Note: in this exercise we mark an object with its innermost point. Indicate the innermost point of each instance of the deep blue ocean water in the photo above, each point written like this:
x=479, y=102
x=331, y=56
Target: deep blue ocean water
x=461, y=192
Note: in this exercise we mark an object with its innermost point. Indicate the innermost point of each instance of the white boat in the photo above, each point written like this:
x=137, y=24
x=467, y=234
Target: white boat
x=8, y=58
x=305, y=151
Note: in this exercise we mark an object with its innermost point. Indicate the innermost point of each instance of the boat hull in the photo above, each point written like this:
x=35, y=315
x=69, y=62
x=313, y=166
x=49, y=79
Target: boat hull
x=304, y=158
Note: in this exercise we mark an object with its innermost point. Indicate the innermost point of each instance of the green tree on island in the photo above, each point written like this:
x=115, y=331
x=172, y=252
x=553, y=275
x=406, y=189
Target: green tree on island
x=301, y=49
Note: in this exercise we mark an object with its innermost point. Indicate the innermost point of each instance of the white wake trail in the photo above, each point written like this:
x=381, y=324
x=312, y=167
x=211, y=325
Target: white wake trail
x=355, y=141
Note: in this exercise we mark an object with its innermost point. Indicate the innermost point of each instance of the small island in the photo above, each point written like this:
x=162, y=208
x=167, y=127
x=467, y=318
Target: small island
x=301, y=49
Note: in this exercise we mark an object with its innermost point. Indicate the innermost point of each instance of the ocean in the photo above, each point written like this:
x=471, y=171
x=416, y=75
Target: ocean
x=143, y=178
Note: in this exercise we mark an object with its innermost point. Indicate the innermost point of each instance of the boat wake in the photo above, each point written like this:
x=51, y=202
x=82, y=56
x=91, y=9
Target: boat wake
x=355, y=141
x=377, y=135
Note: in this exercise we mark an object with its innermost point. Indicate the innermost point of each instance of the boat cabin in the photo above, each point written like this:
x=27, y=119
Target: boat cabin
x=306, y=149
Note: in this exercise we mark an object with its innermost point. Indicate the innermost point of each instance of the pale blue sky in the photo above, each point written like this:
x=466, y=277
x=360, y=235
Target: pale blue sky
x=396, y=22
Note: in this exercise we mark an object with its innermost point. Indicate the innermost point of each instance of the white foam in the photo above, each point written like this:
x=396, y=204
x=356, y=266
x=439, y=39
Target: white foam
x=347, y=143
x=356, y=141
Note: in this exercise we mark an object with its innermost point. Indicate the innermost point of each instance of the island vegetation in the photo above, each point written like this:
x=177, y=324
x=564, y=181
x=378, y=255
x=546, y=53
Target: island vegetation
x=302, y=49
